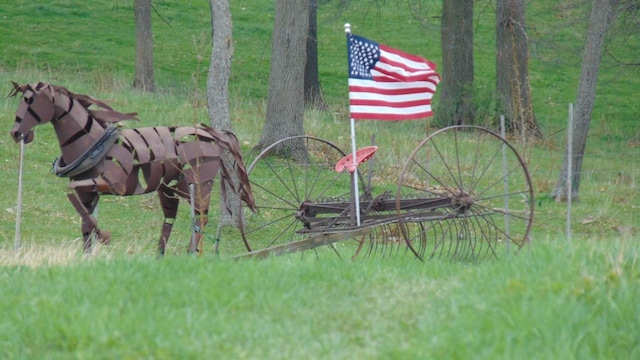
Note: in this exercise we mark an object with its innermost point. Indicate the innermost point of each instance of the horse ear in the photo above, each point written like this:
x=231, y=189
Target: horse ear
x=17, y=89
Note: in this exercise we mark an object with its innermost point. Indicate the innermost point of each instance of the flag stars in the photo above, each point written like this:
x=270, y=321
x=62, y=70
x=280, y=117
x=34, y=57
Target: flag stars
x=364, y=56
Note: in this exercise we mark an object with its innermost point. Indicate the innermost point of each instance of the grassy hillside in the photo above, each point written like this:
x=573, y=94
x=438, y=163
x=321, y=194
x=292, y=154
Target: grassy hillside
x=90, y=49
x=64, y=37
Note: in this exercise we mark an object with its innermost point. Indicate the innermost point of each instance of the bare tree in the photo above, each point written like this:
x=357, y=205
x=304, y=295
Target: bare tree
x=512, y=69
x=144, y=79
x=218, y=93
x=285, y=107
x=220, y=66
x=602, y=14
x=456, y=31
x=312, y=91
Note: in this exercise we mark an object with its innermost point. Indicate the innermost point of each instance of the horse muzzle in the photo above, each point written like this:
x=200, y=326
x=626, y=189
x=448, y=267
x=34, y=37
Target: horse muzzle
x=17, y=136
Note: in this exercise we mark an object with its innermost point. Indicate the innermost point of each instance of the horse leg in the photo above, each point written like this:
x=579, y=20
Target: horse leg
x=169, y=203
x=202, y=194
x=201, y=220
x=85, y=203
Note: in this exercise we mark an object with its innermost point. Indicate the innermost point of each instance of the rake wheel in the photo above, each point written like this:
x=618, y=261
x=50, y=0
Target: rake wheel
x=282, y=181
x=486, y=193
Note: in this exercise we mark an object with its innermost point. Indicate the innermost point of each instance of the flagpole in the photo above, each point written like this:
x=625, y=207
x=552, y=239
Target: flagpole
x=355, y=171
x=356, y=195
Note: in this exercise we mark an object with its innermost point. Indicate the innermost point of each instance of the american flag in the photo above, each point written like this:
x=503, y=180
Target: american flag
x=388, y=84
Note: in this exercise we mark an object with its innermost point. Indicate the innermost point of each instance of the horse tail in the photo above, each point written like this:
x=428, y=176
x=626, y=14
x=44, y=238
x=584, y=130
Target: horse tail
x=228, y=142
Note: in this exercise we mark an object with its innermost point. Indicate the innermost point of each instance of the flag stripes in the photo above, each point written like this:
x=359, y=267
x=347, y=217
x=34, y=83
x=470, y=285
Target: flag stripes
x=388, y=84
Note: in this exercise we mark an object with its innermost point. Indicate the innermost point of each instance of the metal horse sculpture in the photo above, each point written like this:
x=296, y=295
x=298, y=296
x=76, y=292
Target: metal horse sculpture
x=101, y=158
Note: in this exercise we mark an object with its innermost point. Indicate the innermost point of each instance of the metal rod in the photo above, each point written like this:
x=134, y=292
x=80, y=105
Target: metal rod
x=507, y=224
x=193, y=217
x=356, y=197
x=355, y=193
x=19, y=204
x=217, y=245
x=569, y=170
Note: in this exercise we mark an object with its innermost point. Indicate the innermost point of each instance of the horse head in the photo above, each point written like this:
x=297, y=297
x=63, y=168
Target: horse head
x=36, y=107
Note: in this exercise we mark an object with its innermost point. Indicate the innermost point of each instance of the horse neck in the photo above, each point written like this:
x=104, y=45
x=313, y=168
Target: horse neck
x=75, y=128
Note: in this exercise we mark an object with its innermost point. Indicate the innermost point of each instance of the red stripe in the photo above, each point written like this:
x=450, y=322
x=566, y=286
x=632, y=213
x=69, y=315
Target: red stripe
x=411, y=57
x=391, y=117
x=364, y=89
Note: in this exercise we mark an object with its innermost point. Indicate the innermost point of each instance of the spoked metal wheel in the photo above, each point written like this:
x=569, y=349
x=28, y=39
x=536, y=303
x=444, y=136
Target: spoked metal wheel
x=286, y=178
x=463, y=191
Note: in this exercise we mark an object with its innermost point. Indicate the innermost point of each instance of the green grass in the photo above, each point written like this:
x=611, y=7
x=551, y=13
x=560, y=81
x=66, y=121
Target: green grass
x=528, y=306
x=556, y=299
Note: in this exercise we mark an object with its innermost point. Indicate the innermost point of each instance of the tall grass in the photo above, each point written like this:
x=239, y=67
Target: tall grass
x=570, y=301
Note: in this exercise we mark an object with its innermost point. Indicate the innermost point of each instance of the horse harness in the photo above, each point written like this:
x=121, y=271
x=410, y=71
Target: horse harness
x=91, y=157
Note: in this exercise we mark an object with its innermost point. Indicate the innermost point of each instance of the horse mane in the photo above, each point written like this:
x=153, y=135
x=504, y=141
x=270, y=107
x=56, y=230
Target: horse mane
x=106, y=116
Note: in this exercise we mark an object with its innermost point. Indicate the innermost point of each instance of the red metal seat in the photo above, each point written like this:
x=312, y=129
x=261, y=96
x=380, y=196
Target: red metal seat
x=362, y=155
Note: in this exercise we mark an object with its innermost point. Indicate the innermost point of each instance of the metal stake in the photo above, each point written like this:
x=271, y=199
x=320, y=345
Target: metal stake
x=19, y=205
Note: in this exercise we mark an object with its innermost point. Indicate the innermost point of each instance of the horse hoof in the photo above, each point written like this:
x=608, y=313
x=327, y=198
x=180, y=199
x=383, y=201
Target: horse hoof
x=104, y=237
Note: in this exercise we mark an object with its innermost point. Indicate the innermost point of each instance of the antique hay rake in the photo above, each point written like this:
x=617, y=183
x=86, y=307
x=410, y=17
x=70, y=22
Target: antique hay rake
x=461, y=192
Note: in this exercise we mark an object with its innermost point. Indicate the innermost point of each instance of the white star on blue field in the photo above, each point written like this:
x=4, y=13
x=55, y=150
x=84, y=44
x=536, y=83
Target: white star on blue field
x=364, y=55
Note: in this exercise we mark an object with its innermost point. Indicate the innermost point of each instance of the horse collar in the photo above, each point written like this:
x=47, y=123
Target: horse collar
x=90, y=157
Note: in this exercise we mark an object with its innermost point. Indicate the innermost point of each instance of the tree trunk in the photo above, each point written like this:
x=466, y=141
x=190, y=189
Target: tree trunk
x=220, y=66
x=144, y=47
x=218, y=93
x=312, y=93
x=456, y=31
x=512, y=69
x=285, y=107
x=601, y=17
